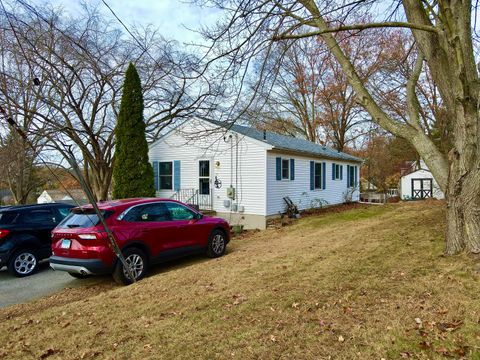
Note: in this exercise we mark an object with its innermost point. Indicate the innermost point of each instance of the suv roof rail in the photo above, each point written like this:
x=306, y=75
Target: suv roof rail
x=28, y=206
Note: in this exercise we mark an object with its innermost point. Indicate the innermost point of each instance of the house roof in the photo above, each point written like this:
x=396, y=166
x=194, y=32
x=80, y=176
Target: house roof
x=57, y=195
x=288, y=143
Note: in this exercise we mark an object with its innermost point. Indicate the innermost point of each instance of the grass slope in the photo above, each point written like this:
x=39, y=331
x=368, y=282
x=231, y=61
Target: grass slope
x=366, y=283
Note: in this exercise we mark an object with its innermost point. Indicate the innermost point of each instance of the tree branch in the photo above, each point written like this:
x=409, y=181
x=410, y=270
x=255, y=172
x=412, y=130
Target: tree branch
x=326, y=30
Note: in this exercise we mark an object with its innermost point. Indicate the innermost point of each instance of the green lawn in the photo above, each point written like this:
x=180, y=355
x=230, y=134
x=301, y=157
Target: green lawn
x=367, y=283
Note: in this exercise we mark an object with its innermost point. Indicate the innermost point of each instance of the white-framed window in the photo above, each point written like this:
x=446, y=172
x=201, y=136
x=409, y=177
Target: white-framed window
x=318, y=176
x=337, y=172
x=351, y=176
x=204, y=177
x=285, y=169
x=165, y=175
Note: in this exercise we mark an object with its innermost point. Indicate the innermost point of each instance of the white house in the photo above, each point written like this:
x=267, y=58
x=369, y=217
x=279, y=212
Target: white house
x=418, y=183
x=243, y=174
x=73, y=197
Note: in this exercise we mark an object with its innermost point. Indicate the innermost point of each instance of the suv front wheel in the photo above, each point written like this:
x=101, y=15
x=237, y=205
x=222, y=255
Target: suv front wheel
x=217, y=244
x=137, y=261
x=23, y=263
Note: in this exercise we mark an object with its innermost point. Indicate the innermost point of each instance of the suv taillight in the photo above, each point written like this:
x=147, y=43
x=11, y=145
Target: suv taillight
x=87, y=236
x=4, y=233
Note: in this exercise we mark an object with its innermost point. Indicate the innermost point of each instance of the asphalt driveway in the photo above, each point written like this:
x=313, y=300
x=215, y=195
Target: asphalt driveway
x=15, y=290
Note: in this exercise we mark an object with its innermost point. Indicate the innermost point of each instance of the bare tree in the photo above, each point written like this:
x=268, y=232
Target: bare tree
x=18, y=161
x=80, y=64
x=312, y=97
x=443, y=40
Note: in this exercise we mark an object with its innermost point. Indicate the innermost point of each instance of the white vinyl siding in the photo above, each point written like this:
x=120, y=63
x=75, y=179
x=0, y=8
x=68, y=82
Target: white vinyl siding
x=189, y=145
x=299, y=189
x=254, y=174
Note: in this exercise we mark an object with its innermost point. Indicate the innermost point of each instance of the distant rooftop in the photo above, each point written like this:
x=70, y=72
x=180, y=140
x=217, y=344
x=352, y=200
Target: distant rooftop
x=288, y=143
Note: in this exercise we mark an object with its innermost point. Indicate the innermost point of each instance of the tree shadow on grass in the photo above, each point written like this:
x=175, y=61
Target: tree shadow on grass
x=180, y=263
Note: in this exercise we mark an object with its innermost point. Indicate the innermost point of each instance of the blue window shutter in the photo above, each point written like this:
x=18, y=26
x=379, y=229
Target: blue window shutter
x=341, y=172
x=279, y=168
x=333, y=171
x=348, y=176
x=324, y=175
x=355, y=181
x=312, y=175
x=155, y=174
x=292, y=169
x=176, y=175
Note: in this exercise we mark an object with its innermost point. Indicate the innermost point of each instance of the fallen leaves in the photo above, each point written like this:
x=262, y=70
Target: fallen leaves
x=419, y=322
x=450, y=326
x=239, y=299
x=49, y=352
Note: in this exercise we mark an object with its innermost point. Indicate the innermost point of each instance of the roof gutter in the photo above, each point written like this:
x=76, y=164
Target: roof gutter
x=307, y=153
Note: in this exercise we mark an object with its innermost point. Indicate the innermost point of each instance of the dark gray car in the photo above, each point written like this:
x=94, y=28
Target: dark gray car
x=25, y=235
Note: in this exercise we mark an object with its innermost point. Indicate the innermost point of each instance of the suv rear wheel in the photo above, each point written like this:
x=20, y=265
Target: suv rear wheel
x=137, y=261
x=23, y=263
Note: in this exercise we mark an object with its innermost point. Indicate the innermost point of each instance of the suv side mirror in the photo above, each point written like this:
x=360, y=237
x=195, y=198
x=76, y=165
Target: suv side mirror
x=198, y=216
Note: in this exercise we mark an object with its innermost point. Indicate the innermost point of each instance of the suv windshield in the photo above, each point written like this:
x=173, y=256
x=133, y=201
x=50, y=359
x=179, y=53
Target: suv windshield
x=78, y=219
x=7, y=217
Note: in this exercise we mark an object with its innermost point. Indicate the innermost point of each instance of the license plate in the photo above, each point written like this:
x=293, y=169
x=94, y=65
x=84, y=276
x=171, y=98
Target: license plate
x=65, y=244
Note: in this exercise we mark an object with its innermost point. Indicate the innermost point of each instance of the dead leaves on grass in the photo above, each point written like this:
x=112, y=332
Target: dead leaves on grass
x=237, y=300
x=49, y=352
x=434, y=334
x=450, y=326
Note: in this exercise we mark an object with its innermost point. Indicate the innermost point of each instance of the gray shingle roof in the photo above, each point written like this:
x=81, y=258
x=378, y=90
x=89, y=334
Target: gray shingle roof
x=289, y=143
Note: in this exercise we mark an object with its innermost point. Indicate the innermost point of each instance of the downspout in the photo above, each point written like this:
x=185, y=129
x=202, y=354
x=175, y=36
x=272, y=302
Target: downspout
x=236, y=170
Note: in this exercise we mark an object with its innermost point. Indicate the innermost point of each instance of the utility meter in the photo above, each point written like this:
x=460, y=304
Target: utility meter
x=231, y=192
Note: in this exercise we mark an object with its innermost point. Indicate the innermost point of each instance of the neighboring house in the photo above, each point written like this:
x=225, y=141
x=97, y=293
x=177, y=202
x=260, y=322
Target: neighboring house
x=73, y=197
x=417, y=182
x=243, y=174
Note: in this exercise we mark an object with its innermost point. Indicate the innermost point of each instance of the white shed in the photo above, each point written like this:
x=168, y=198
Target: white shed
x=419, y=184
x=243, y=174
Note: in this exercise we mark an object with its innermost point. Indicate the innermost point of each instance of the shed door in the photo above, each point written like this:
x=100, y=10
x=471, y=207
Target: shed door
x=421, y=188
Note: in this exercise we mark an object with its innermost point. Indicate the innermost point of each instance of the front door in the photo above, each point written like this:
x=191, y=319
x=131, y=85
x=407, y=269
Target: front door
x=421, y=188
x=204, y=189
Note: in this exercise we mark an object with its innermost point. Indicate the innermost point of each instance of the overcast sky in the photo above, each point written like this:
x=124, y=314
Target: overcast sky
x=169, y=16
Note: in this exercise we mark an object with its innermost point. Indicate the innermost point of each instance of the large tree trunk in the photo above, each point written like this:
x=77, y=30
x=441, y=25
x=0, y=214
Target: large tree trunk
x=463, y=191
x=463, y=211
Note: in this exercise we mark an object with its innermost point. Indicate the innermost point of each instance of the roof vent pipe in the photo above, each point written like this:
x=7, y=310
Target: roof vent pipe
x=264, y=134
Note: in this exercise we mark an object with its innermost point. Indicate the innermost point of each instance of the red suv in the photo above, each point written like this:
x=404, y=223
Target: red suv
x=147, y=230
